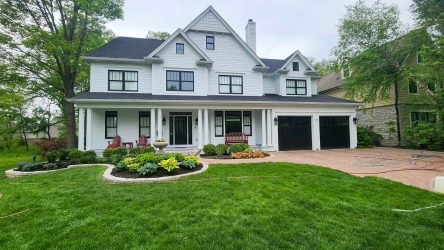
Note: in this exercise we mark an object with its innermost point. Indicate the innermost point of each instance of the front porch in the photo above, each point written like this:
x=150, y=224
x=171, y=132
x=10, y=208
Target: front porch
x=185, y=129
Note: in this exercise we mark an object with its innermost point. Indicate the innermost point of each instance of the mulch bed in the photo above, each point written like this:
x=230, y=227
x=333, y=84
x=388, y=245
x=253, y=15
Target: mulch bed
x=216, y=157
x=159, y=173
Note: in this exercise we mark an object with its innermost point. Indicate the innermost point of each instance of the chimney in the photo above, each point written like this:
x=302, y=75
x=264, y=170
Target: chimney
x=250, y=34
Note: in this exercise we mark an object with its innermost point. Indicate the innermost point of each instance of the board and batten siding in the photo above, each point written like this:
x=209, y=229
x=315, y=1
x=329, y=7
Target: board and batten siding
x=180, y=62
x=229, y=58
x=99, y=76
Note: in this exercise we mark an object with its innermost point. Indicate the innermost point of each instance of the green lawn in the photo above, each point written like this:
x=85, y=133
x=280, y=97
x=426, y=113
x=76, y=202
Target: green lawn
x=251, y=206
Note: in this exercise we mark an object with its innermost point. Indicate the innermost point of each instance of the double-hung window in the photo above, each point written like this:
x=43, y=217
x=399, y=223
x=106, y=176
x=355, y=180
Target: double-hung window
x=230, y=84
x=219, y=123
x=247, y=123
x=423, y=117
x=210, y=42
x=120, y=80
x=413, y=88
x=110, y=124
x=296, y=87
x=295, y=66
x=144, y=123
x=180, y=48
x=233, y=122
x=179, y=80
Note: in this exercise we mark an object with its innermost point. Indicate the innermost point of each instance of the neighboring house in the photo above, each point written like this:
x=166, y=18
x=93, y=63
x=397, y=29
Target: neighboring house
x=381, y=115
x=202, y=83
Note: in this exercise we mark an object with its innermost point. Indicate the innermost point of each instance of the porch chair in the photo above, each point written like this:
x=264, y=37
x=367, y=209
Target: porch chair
x=235, y=137
x=116, y=142
x=142, y=142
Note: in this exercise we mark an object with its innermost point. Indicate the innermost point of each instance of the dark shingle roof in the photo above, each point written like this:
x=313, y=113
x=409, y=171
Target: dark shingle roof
x=126, y=47
x=273, y=64
x=266, y=98
x=330, y=81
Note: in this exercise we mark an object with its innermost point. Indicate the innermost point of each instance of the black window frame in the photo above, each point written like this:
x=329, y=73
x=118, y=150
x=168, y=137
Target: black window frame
x=247, y=114
x=177, y=48
x=296, y=87
x=111, y=114
x=297, y=66
x=210, y=43
x=416, y=117
x=413, y=87
x=145, y=114
x=124, y=81
x=431, y=87
x=179, y=81
x=231, y=84
x=219, y=114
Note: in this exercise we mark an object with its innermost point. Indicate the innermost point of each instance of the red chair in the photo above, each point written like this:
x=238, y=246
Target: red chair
x=232, y=138
x=142, y=142
x=117, y=141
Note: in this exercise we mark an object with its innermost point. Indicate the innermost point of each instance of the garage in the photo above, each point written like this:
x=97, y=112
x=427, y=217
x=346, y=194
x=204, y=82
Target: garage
x=294, y=132
x=335, y=132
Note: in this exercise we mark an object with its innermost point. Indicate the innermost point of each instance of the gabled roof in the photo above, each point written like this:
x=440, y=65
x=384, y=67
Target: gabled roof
x=329, y=82
x=273, y=64
x=126, y=48
x=172, y=37
x=279, y=64
x=292, y=56
x=236, y=36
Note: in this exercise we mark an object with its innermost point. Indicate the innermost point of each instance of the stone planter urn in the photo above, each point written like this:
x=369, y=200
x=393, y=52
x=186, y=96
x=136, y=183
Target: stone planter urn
x=161, y=145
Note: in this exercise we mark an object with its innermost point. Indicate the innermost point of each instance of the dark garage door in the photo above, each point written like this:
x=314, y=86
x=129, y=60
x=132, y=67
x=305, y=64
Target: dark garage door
x=294, y=132
x=335, y=132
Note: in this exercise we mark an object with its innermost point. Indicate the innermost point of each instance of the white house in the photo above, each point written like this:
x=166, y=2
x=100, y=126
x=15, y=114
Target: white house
x=203, y=82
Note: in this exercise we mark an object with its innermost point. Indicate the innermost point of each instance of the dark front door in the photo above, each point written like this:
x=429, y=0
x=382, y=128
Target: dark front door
x=335, y=132
x=180, y=130
x=294, y=132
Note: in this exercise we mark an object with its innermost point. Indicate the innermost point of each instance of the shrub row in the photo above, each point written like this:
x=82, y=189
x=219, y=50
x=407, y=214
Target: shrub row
x=222, y=149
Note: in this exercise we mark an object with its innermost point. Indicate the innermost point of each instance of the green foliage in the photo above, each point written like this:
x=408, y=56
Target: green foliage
x=364, y=138
x=131, y=164
x=239, y=147
x=115, y=159
x=107, y=152
x=28, y=166
x=135, y=151
x=148, y=158
x=148, y=149
x=63, y=154
x=161, y=35
x=190, y=164
x=50, y=166
x=88, y=159
x=120, y=151
x=121, y=166
x=209, y=149
x=178, y=156
x=169, y=164
x=194, y=158
x=74, y=154
x=147, y=169
x=424, y=136
x=100, y=159
x=221, y=149
x=52, y=156
x=90, y=153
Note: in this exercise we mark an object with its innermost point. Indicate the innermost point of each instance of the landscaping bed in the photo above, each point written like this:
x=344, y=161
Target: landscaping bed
x=234, y=151
x=159, y=173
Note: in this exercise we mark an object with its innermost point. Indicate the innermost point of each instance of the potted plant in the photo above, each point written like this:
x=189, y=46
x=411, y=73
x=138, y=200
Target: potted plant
x=160, y=144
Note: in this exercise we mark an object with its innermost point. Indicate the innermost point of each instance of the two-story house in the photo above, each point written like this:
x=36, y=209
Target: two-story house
x=203, y=82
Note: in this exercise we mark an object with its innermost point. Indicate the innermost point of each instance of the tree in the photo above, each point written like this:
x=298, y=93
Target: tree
x=43, y=120
x=373, y=44
x=47, y=39
x=161, y=35
x=326, y=67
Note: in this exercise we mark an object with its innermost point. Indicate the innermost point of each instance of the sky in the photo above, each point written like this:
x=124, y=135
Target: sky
x=282, y=26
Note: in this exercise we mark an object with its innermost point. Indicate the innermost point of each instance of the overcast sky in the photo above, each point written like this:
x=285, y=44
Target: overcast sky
x=283, y=26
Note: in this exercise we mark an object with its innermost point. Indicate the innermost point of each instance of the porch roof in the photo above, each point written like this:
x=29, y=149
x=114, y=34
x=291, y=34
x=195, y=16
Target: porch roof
x=143, y=97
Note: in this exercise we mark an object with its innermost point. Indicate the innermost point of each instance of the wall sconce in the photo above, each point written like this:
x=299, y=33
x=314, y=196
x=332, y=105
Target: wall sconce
x=355, y=120
x=196, y=122
x=276, y=121
x=164, y=121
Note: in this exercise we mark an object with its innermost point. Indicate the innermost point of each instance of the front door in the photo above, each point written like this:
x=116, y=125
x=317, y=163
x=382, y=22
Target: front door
x=180, y=129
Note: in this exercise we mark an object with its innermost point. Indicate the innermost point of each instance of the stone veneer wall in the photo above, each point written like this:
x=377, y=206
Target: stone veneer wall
x=377, y=119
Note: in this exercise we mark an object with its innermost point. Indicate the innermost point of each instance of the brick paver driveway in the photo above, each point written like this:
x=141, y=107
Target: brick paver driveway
x=412, y=167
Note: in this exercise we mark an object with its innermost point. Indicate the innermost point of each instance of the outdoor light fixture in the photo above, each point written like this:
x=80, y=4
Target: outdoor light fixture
x=276, y=121
x=196, y=122
x=164, y=121
x=355, y=120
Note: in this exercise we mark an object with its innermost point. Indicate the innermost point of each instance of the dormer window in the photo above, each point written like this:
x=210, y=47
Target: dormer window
x=296, y=87
x=180, y=48
x=210, y=42
x=295, y=66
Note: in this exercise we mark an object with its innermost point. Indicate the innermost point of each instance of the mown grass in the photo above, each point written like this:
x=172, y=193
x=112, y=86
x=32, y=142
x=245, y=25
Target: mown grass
x=249, y=206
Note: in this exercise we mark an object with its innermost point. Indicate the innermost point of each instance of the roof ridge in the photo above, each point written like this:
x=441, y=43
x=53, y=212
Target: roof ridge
x=141, y=38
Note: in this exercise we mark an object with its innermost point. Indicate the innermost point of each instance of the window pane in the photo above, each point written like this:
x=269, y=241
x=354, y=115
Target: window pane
x=236, y=89
x=145, y=132
x=115, y=75
x=224, y=80
x=233, y=121
x=291, y=83
x=172, y=75
x=173, y=86
x=302, y=84
x=236, y=80
x=224, y=89
x=187, y=76
x=210, y=46
x=219, y=130
x=130, y=85
x=295, y=66
x=130, y=76
x=187, y=86
x=301, y=91
x=247, y=130
x=413, y=88
x=111, y=132
x=291, y=91
x=114, y=85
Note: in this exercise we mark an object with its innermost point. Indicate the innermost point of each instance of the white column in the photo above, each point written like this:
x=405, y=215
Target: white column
x=206, y=127
x=81, y=140
x=153, y=125
x=89, y=118
x=264, y=129
x=199, y=129
x=269, y=126
x=353, y=132
x=159, y=123
x=315, y=133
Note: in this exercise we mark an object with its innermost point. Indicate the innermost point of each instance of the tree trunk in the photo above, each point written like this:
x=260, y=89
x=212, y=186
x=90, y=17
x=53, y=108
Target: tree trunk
x=398, y=122
x=70, y=114
x=26, y=139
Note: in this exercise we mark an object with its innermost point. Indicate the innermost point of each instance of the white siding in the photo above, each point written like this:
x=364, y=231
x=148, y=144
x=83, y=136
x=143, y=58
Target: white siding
x=271, y=85
x=230, y=58
x=209, y=22
x=314, y=86
x=295, y=75
x=99, y=75
x=185, y=62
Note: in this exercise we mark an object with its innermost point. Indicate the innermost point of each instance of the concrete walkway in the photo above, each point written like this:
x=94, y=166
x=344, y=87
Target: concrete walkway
x=412, y=167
